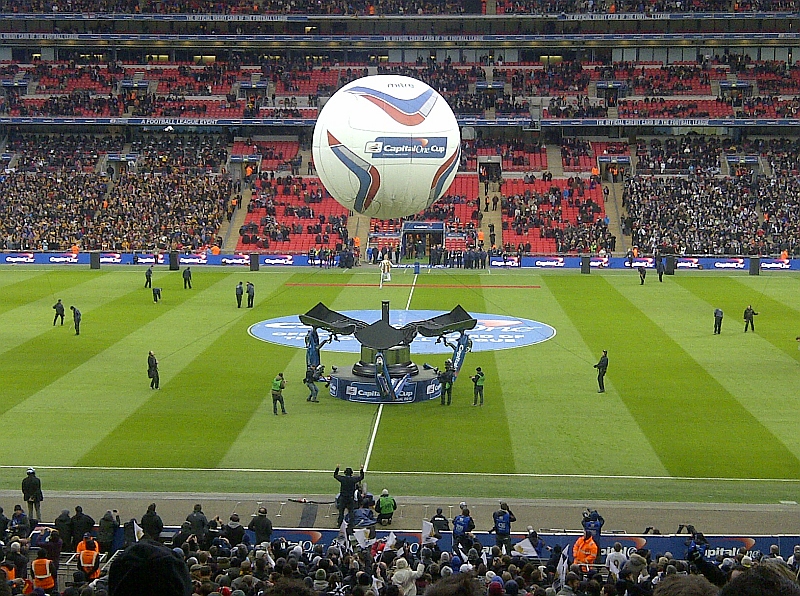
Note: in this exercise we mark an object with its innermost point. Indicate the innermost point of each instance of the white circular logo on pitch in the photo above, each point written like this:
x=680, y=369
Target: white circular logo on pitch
x=493, y=332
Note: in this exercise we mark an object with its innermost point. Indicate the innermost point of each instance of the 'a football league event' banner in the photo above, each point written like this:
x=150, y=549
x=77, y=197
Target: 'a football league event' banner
x=682, y=263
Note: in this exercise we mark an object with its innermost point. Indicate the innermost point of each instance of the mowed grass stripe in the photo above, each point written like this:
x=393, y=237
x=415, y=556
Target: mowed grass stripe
x=679, y=406
x=209, y=403
x=107, y=388
x=317, y=435
x=552, y=381
x=448, y=433
x=110, y=313
x=30, y=314
x=21, y=287
x=777, y=299
x=688, y=321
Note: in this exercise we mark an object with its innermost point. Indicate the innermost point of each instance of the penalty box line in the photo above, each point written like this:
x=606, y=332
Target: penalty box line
x=406, y=473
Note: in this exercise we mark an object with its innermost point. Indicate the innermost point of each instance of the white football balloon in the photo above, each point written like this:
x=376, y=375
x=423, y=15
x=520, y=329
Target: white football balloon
x=386, y=146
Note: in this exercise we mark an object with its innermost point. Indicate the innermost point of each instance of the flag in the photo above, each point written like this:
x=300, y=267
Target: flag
x=342, y=539
x=390, y=541
x=137, y=531
x=361, y=537
x=462, y=554
x=270, y=560
x=484, y=558
x=525, y=548
x=561, y=570
x=428, y=533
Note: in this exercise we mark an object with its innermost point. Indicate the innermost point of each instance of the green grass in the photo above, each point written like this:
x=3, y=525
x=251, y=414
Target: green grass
x=687, y=416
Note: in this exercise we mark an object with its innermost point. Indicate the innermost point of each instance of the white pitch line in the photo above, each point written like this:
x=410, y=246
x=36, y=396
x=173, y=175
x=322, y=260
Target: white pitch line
x=411, y=293
x=409, y=472
x=380, y=407
x=372, y=438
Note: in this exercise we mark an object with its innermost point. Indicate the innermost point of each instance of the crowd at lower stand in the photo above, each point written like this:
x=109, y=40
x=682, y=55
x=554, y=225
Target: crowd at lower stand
x=55, y=199
x=703, y=214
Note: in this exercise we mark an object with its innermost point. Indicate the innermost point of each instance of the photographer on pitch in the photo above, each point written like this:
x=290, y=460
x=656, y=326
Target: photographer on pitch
x=478, y=379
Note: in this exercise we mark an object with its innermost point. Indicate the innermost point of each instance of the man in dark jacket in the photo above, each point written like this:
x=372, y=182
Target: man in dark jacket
x=63, y=524
x=187, y=278
x=81, y=524
x=602, y=367
x=106, y=529
x=261, y=525
x=4, y=521
x=151, y=523
x=32, y=492
x=198, y=523
x=233, y=530
x=347, y=490
x=59, y=308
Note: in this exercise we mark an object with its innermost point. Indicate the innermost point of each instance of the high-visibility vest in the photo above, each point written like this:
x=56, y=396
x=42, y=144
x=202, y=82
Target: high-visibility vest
x=42, y=578
x=87, y=562
x=11, y=572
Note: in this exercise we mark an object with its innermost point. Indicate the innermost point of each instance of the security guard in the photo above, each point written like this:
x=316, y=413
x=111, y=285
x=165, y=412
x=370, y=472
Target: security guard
x=187, y=278
x=44, y=573
x=59, y=308
x=76, y=318
x=89, y=558
x=239, y=294
x=251, y=294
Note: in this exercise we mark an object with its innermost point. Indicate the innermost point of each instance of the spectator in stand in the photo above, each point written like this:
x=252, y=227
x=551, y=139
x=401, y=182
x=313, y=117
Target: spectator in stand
x=152, y=525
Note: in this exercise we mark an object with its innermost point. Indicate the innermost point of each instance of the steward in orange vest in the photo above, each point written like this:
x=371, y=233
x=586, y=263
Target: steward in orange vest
x=89, y=559
x=44, y=572
x=584, y=551
x=10, y=569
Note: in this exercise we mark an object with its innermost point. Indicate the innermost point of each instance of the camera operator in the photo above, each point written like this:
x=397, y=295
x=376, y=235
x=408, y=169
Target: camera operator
x=446, y=378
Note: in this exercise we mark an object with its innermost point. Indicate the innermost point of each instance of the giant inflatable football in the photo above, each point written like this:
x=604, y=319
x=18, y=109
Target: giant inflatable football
x=386, y=146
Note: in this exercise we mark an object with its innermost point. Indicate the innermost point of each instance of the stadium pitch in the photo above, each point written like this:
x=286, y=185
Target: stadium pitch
x=687, y=415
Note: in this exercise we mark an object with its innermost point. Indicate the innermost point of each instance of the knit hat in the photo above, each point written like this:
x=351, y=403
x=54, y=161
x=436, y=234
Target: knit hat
x=385, y=492
x=401, y=563
x=320, y=574
x=747, y=561
x=495, y=589
x=149, y=567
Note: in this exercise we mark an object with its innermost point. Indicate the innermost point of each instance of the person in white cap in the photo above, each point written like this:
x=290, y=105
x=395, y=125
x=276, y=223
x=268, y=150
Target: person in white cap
x=32, y=492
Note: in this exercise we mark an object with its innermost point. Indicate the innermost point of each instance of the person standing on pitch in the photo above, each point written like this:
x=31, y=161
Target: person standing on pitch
x=148, y=277
x=32, y=493
x=660, y=269
x=642, y=275
x=152, y=370
x=478, y=379
x=251, y=294
x=386, y=269
x=749, y=313
x=602, y=367
x=278, y=385
x=59, y=308
x=76, y=318
x=239, y=294
x=187, y=278
x=309, y=380
x=717, y=321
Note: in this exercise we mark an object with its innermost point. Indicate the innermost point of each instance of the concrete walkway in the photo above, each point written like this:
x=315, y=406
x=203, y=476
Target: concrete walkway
x=318, y=512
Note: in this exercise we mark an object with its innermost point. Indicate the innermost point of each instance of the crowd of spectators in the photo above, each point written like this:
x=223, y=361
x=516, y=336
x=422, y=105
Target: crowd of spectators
x=60, y=152
x=698, y=214
x=165, y=153
x=175, y=210
x=49, y=210
x=679, y=155
x=545, y=213
x=673, y=79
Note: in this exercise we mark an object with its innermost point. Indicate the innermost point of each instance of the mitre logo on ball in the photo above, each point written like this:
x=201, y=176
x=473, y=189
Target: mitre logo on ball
x=386, y=146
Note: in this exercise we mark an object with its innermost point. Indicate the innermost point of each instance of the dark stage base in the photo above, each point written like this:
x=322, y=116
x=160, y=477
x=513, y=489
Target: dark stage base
x=349, y=387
